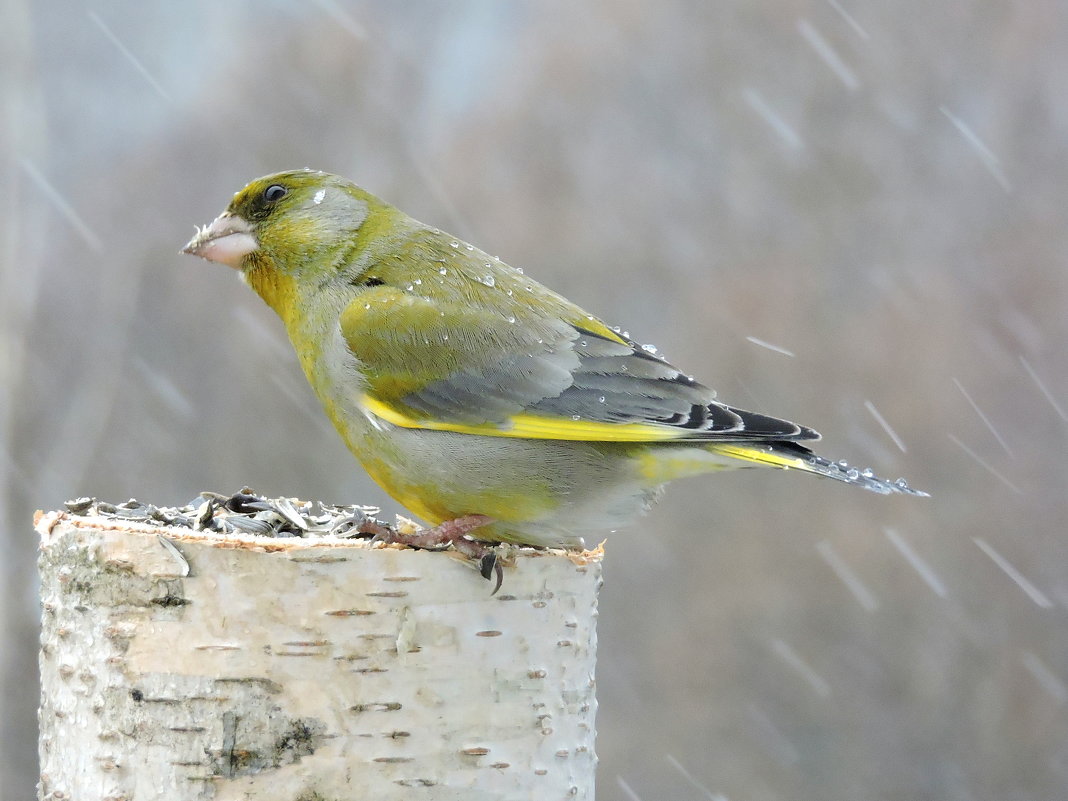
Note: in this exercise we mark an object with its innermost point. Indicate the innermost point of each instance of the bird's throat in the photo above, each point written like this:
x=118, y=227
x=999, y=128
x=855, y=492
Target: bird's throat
x=278, y=290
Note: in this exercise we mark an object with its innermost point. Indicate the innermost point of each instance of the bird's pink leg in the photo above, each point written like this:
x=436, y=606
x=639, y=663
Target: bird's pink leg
x=450, y=532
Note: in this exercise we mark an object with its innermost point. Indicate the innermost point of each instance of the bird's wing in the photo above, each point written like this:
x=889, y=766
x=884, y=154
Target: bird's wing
x=479, y=365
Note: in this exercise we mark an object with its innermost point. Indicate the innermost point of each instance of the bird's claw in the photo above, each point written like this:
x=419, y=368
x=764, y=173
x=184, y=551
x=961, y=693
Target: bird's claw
x=490, y=564
x=440, y=537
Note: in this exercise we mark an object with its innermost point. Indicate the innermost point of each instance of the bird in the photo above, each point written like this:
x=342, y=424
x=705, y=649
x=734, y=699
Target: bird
x=488, y=405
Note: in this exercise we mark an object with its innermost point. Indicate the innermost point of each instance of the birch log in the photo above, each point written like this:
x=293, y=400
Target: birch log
x=183, y=665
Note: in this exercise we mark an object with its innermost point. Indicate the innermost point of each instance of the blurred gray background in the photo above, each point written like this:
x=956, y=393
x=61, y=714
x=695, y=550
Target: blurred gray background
x=877, y=188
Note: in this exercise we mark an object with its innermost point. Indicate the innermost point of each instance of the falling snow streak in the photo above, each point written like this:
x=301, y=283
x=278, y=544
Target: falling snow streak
x=984, y=418
x=437, y=188
x=782, y=750
x=626, y=788
x=863, y=595
x=917, y=562
x=982, y=463
x=827, y=54
x=1045, y=677
x=803, y=669
x=134, y=61
x=343, y=18
x=63, y=207
x=986, y=155
x=863, y=34
x=696, y=784
x=1032, y=591
x=769, y=346
x=776, y=123
x=886, y=426
x=1042, y=387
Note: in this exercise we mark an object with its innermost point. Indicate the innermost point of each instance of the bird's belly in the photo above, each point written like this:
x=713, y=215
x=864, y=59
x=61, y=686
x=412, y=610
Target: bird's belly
x=539, y=492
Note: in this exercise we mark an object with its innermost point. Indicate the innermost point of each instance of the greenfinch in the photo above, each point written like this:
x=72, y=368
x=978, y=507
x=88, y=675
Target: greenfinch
x=476, y=397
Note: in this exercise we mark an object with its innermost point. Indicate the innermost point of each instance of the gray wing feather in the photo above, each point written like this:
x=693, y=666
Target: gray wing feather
x=583, y=375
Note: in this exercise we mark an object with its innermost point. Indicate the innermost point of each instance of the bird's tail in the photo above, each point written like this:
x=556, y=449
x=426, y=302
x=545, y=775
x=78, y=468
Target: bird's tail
x=788, y=455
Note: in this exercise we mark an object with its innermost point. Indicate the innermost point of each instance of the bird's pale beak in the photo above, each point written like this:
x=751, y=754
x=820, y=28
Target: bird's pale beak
x=227, y=240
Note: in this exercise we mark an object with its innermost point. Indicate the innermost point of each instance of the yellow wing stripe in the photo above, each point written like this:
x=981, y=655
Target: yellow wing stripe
x=757, y=455
x=595, y=326
x=533, y=426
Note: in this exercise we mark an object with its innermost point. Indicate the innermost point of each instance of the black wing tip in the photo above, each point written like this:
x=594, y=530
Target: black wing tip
x=763, y=426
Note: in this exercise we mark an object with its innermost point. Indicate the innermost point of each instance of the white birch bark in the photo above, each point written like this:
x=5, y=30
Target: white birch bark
x=182, y=665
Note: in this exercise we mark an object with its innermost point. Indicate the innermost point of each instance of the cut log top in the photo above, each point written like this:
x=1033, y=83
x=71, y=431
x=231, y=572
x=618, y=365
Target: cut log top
x=244, y=666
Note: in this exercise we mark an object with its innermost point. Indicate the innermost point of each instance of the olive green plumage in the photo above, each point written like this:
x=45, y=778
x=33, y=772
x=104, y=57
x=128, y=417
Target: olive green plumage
x=464, y=386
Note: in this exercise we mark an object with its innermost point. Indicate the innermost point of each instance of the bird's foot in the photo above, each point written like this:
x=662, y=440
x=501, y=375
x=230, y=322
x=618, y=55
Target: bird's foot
x=451, y=532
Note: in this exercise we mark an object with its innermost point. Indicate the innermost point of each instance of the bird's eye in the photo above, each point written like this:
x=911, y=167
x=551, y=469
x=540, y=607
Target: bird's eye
x=274, y=192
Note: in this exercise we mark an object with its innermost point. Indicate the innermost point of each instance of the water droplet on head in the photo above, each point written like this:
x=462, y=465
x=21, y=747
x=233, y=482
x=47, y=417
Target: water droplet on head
x=454, y=244
x=842, y=464
x=583, y=343
x=852, y=474
x=510, y=318
x=867, y=472
x=575, y=417
x=901, y=484
x=469, y=247
x=519, y=270
x=443, y=271
x=601, y=399
x=649, y=348
x=417, y=281
x=488, y=280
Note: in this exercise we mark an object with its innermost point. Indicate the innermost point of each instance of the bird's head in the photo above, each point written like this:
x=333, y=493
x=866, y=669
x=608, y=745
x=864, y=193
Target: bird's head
x=287, y=222
x=290, y=232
